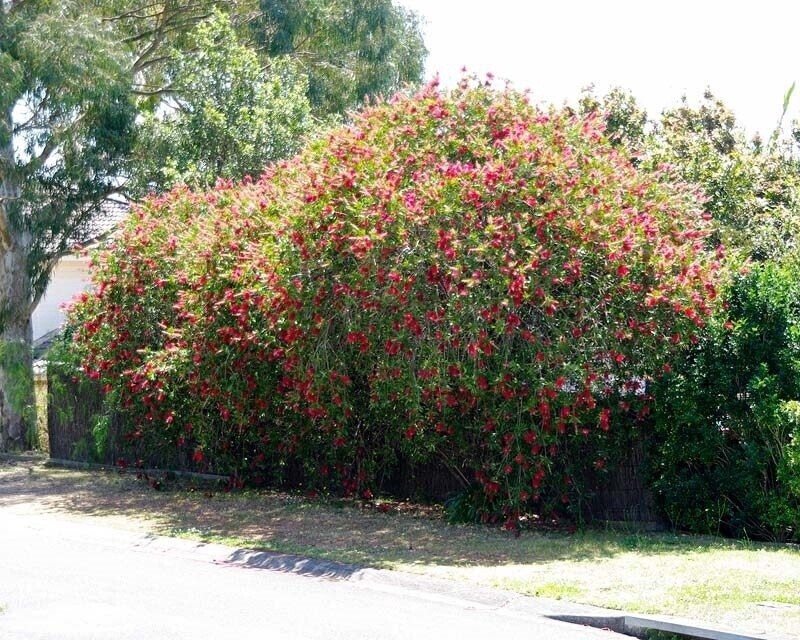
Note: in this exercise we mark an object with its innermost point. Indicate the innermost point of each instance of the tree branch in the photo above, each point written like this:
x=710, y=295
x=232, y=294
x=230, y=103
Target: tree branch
x=148, y=93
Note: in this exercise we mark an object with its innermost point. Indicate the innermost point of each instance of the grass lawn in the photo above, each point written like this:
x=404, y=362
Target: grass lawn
x=748, y=586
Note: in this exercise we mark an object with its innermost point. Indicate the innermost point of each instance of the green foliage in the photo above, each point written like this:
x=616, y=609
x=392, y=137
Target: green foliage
x=752, y=190
x=457, y=276
x=351, y=49
x=625, y=121
x=69, y=91
x=18, y=382
x=470, y=505
x=227, y=116
x=726, y=420
x=789, y=463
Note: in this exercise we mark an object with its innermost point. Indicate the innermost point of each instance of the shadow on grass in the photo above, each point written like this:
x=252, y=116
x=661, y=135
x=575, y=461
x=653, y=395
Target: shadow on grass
x=285, y=523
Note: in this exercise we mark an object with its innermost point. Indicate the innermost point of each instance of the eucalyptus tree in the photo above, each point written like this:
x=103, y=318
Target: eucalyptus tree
x=350, y=50
x=66, y=124
x=226, y=115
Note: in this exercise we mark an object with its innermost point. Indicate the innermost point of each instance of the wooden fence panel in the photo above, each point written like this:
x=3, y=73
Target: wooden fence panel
x=625, y=496
x=73, y=410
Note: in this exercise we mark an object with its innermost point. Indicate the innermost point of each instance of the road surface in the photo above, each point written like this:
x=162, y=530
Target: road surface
x=64, y=578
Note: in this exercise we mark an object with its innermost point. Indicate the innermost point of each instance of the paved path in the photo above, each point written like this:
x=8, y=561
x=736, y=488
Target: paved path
x=63, y=578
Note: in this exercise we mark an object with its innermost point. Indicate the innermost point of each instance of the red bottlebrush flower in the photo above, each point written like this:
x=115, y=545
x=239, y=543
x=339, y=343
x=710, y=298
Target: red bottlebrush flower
x=410, y=432
x=623, y=270
x=454, y=370
x=412, y=324
x=392, y=347
x=516, y=289
x=507, y=392
x=437, y=315
x=605, y=415
x=444, y=240
x=197, y=456
x=512, y=322
x=544, y=409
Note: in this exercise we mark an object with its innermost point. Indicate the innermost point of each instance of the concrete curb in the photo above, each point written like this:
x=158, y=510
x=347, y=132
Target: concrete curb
x=638, y=626
x=476, y=597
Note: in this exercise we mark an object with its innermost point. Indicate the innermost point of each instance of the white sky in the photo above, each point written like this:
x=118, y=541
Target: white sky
x=747, y=52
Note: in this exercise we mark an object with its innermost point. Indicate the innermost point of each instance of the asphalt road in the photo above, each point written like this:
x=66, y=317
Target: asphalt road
x=68, y=579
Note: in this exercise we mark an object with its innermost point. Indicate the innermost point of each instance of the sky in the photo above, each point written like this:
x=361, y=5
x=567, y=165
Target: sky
x=747, y=53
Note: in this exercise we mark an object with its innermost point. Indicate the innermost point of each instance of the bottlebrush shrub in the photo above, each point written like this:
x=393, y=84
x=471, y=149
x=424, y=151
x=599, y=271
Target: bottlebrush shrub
x=459, y=276
x=177, y=325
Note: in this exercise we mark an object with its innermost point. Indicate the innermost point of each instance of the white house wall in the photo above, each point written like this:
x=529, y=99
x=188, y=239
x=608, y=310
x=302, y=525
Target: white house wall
x=70, y=277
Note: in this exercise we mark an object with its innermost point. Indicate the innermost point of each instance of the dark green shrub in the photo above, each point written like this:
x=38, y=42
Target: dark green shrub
x=726, y=434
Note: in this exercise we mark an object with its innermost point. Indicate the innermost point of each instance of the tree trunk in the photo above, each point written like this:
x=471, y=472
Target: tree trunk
x=17, y=399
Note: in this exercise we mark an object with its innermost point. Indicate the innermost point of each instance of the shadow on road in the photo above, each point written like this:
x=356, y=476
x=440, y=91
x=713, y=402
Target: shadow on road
x=293, y=564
